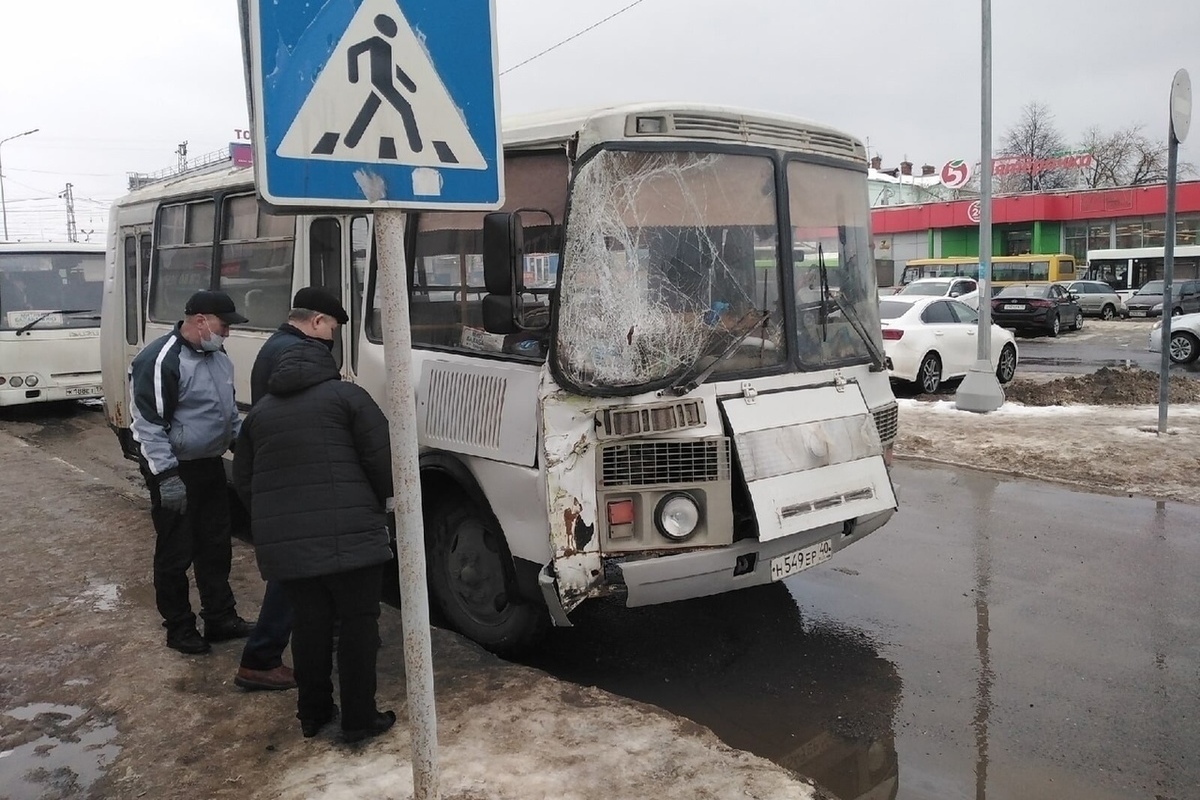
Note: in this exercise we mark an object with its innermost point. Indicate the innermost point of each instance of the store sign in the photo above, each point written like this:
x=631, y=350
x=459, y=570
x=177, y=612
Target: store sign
x=1017, y=165
x=973, y=212
x=955, y=174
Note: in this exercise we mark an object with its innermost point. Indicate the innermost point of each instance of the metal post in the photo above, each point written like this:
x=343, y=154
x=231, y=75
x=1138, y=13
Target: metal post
x=410, y=528
x=3, y=207
x=980, y=390
x=1168, y=274
x=1177, y=131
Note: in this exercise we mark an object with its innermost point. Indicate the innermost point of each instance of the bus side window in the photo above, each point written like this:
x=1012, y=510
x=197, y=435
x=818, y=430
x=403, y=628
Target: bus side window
x=325, y=254
x=256, y=260
x=360, y=246
x=184, y=258
x=131, y=290
x=145, y=253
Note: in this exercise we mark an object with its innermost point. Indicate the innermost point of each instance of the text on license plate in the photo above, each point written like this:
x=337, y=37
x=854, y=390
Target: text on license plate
x=1014, y=307
x=1137, y=313
x=797, y=560
x=82, y=391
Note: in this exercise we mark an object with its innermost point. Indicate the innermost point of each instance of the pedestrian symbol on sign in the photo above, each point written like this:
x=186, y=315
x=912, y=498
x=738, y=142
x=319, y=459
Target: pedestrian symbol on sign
x=337, y=122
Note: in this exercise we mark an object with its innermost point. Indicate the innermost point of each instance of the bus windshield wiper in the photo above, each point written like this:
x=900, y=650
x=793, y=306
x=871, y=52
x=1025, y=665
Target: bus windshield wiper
x=28, y=325
x=686, y=382
x=824, y=310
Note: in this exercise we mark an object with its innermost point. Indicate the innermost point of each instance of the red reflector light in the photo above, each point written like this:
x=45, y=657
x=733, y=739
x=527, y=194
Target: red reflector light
x=1040, y=303
x=620, y=512
x=892, y=334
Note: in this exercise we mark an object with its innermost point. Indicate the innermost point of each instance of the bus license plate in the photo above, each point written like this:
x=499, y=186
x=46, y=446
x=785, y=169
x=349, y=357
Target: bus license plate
x=798, y=560
x=82, y=391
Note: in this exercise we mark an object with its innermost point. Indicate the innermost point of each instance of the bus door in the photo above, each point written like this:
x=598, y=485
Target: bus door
x=136, y=249
x=329, y=254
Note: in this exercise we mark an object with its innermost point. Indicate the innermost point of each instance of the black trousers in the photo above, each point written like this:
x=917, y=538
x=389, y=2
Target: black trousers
x=352, y=600
x=198, y=538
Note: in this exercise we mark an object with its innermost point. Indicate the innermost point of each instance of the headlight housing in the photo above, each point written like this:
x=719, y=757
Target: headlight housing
x=1157, y=307
x=677, y=516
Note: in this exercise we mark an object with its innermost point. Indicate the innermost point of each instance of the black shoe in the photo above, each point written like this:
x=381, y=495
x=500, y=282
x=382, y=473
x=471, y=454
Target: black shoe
x=233, y=628
x=187, y=641
x=311, y=727
x=383, y=721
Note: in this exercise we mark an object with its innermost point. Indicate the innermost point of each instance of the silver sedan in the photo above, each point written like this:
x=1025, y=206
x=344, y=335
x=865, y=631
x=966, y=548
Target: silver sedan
x=1185, y=338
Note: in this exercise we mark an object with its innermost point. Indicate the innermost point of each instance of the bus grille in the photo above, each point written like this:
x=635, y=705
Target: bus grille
x=887, y=422
x=661, y=463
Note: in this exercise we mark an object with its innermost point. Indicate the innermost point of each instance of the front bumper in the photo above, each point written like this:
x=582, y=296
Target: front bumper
x=666, y=579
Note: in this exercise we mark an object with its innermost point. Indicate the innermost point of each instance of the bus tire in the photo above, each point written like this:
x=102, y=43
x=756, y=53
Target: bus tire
x=471, y=579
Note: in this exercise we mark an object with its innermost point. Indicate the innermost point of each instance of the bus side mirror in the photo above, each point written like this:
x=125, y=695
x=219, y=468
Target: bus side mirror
x=503, y=253
x=503, y=271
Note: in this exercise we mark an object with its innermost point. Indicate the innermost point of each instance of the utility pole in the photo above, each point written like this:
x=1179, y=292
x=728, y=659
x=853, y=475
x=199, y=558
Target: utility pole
x=72, y=234
x=181, y=151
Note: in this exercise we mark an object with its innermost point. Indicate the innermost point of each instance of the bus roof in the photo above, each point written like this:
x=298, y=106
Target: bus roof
x=1001, y=259
x=593, y=125
x=682, y=120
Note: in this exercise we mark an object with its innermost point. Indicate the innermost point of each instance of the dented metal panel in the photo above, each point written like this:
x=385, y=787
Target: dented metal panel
x=811, y=457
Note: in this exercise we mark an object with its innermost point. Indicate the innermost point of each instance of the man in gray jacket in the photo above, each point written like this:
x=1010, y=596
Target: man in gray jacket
x=184, y=417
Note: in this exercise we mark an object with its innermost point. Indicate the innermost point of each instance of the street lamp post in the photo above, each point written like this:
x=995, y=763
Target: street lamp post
x=3, y=207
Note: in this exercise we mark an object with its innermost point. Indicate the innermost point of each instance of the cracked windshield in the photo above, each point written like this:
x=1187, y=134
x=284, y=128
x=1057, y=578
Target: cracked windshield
x=673, y=270
x=50, y=290
x=837, y=316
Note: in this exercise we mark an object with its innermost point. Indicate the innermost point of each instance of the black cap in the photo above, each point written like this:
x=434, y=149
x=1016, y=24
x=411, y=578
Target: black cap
x=314, y=298
x=218, y=304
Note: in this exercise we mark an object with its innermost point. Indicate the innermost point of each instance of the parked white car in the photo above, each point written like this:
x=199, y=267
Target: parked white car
x=1185, y=338
x=938, y=287
x=929, y=340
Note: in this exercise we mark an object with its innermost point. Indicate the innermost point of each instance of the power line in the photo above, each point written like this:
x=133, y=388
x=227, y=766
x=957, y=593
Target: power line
x=572, y=36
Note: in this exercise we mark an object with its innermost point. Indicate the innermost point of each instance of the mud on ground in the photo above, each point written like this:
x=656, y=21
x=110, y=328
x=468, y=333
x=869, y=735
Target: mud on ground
x=1097, y=431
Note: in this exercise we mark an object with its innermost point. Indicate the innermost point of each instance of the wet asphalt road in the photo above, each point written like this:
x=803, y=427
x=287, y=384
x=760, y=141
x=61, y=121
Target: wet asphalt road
x=999, y=639
x=1119, y=343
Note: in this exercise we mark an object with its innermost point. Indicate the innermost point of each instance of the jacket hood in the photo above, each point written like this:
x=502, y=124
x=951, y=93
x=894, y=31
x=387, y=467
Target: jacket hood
x=301, y=366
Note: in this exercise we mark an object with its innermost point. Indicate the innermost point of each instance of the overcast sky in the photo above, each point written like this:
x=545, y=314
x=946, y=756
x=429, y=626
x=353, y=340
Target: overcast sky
x=115, y=86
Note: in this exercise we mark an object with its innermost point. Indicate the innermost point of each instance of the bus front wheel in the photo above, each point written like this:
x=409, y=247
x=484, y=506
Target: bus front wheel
x=471, y=580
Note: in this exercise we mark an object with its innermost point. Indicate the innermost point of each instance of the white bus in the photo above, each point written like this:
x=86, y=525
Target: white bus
x=50, y=321
x=617, y=392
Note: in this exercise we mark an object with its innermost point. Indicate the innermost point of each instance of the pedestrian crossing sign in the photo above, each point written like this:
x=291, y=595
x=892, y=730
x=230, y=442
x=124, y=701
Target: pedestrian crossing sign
x=375, y=103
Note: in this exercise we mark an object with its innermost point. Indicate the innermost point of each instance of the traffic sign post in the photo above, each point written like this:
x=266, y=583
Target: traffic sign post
x=1177, y=130
x=383, y=105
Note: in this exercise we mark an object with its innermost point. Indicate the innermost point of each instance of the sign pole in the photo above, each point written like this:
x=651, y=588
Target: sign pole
x=1181, y=114
x=406, y=478
x=980, y=390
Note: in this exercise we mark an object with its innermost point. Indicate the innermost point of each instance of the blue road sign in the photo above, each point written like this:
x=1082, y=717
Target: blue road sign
x=375, y=103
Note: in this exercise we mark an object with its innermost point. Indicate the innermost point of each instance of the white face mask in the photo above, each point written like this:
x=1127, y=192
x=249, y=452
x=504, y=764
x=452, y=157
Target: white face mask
x=214, y=341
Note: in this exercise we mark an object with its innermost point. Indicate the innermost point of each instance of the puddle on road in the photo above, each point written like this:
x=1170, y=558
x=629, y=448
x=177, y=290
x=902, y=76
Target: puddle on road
x=812, y=698
x=53, y=751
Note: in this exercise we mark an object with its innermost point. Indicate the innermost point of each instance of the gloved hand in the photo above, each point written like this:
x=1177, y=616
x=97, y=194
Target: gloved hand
x=172, y=494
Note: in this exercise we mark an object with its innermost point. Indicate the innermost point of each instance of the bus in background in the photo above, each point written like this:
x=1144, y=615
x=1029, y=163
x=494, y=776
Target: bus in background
x=50, y=321
x=1128, y=269
x=1027, y=268
x=632, y=447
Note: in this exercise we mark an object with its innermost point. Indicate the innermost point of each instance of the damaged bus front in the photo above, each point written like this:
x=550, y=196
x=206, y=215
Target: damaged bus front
x=715, y=413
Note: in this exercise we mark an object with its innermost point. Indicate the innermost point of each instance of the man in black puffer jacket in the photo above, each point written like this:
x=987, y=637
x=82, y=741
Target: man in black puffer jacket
x=313, y=466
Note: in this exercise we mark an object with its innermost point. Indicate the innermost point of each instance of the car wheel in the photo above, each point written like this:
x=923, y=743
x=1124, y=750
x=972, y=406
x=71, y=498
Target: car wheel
x=1108, y=312
x=1078, y=326
x=471, y=580
x=1184, y=347
x=1175, y=312
x=929, y=375
x=1007, y=366
x=1055, y=325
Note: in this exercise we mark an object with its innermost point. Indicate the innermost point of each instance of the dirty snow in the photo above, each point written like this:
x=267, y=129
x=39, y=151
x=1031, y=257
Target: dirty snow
x=1106, y=443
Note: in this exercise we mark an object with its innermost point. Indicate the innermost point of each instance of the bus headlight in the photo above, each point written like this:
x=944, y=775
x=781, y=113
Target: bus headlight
x=15, y=381
x=677, y=516
x=31, y=381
